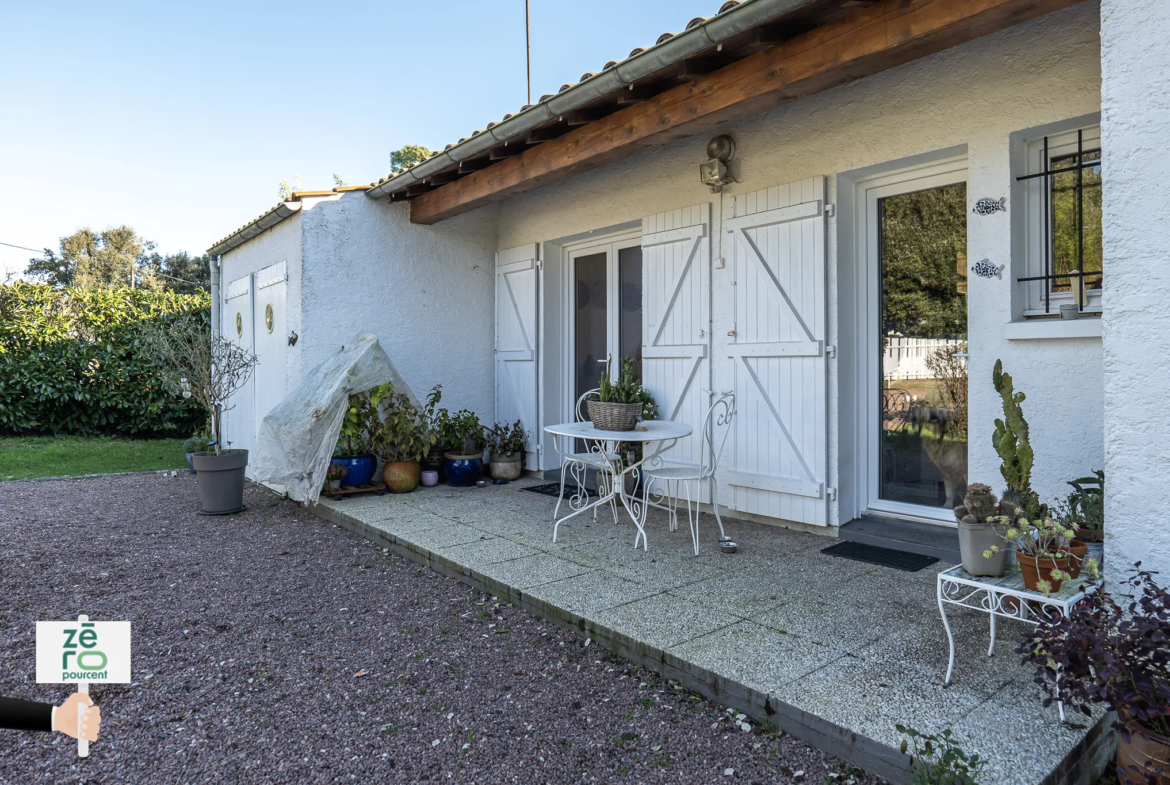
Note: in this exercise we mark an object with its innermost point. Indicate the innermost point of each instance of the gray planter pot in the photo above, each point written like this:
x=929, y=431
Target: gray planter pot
x=221, y=481
x=974, y=539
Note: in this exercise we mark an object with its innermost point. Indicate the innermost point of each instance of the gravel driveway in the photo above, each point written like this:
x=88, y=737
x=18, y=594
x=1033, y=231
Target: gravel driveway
x=275, y=647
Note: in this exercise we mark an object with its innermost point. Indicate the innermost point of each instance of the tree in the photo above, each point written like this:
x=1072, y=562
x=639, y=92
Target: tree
x=114, y=257
x=409, y=155
x=181, y=272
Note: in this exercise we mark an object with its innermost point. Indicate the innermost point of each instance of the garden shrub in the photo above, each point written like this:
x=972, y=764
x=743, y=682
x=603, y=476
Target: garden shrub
x=69, y=361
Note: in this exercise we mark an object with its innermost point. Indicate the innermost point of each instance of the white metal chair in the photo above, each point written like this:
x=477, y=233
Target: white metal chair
x=578, y=464
x=716, y=427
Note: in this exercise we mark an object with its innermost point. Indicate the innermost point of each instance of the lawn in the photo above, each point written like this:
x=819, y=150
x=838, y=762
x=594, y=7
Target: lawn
x=57, y=456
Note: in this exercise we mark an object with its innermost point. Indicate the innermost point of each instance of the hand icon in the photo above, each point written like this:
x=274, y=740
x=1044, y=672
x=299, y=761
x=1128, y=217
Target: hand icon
x=65, y=718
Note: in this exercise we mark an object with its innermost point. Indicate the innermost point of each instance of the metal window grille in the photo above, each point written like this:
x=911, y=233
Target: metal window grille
x=1074, y=164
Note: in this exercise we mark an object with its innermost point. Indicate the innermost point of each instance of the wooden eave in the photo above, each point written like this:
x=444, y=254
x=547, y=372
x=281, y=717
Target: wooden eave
x=830, y=44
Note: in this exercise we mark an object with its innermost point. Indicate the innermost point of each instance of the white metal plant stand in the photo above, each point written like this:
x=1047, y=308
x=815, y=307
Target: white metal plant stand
x=1007, y=597
x=604, y=444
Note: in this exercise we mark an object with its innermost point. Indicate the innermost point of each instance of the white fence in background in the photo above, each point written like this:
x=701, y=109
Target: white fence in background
x=905, y=358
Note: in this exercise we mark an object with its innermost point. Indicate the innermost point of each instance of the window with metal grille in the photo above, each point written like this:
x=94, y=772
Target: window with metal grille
x=1062, y=192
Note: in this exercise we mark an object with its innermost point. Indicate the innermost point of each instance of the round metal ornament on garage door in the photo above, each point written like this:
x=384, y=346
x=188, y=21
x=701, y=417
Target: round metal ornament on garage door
x=268, y=316
x=239, y=324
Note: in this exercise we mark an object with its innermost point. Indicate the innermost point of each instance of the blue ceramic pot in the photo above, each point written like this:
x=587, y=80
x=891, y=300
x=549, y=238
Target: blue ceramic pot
x=358, y=468
x=463, y=470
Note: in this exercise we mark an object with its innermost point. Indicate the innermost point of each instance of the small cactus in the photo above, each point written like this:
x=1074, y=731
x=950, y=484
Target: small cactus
x=981, y=506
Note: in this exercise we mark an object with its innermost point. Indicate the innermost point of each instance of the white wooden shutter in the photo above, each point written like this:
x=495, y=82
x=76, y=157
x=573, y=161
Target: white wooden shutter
x=516, y=343
x=779, y=455
x=239, y=424
x=271, y=340
x=676, y=273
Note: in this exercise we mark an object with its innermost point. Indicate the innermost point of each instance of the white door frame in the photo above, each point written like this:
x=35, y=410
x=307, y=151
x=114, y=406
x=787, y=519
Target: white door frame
x=947, y=168
x=610, y=245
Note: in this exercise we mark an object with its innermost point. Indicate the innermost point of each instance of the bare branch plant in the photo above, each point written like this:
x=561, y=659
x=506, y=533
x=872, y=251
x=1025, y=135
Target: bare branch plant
x=193, y=363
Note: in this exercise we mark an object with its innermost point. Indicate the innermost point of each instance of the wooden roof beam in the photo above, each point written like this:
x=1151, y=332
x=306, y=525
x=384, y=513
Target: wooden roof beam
x=883, y=35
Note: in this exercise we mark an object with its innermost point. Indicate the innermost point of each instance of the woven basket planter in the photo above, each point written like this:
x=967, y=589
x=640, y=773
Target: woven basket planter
x=614, y=416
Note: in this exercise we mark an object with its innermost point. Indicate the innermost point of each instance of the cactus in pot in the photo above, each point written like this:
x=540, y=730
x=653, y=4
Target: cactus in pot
x=982, y=522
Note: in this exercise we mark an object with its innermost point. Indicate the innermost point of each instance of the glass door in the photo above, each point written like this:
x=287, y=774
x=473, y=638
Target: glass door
x=607, y=310
x=918, y=455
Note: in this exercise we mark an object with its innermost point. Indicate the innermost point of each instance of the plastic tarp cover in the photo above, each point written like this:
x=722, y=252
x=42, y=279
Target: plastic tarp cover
x=297, y=438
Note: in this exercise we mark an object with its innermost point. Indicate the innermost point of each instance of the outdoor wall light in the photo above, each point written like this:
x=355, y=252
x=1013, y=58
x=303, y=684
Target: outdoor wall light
x=713, y=172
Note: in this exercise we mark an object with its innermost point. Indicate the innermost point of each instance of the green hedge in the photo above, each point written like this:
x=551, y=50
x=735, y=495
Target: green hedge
x=68, y=363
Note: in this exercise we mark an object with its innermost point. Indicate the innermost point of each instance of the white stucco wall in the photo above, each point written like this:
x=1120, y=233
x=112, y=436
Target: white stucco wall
x=426, y=292
x=975, y=95
x=1135, y=119
x=281, y=243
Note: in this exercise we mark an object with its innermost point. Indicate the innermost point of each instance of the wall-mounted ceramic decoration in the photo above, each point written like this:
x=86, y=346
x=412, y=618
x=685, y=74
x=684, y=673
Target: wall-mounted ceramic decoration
x=989, y=206
x=239, y=324
x=985, y=269
x=268, y=316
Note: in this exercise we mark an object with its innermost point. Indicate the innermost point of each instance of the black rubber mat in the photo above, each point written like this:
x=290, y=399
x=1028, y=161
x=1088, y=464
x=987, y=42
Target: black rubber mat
x=885, y=557
x=551, y=489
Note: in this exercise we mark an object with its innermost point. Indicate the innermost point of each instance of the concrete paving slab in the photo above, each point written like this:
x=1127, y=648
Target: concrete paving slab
x=591, y=592
x=663, y=620
x=533, y=570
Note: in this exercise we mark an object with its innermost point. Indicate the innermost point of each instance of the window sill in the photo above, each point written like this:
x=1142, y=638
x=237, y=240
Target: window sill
x=1053, y=329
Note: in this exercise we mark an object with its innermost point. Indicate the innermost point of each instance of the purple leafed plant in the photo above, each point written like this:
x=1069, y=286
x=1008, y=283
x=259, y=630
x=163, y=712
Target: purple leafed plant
x=1110, y=655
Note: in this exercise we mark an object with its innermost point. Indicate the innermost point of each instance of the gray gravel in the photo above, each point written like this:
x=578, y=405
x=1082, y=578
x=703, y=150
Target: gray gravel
x=274, y=647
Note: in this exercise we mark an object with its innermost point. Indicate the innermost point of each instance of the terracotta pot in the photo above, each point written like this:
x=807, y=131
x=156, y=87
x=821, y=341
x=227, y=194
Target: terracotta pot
x=1145, y=751
x=401, y=476
x=1035, y=570
x=1088, y=535
x=1079, y=551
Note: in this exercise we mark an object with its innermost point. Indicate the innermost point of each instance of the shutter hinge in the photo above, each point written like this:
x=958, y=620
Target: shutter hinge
x=539, y=264
x=831, y=351
x=831, y=491
x=830, y=210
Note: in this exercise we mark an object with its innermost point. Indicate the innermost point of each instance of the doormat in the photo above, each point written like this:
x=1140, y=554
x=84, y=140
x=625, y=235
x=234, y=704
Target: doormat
x=885, y=557
x=551, y=489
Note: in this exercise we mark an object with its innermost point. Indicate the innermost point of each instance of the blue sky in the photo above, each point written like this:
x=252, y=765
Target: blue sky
x=181, y=119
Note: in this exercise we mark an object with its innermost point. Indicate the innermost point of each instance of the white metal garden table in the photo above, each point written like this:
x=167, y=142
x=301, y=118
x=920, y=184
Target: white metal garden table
x=606, y=445
x=1007, y=597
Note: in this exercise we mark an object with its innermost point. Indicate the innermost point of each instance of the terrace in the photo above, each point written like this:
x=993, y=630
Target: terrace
x=833, y=651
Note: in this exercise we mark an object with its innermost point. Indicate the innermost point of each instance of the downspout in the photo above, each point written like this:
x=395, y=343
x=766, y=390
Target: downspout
x=214, y=264
x=215, y=333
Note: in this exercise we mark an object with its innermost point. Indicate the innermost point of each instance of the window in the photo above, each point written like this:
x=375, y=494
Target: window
x=1061, y=189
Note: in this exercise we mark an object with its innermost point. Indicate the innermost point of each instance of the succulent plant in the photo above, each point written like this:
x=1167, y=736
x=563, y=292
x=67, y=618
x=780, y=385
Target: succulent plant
x=981, y=506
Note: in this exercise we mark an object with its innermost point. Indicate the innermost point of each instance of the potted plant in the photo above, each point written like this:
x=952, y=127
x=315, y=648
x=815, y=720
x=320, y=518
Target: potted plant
x=193, y=363
x=401, y=438
x=355, y=442
x=619, y=403
x=438, y=420
x=464, y=463
x=506, y=443
x=192, y=446
x=1118, y=656
x=1084, y=511
x=981, y=529
x=1040, y=548
x=334, y=476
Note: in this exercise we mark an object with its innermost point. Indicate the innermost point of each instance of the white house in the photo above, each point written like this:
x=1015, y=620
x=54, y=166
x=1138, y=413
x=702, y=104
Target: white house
x=1021, y=137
